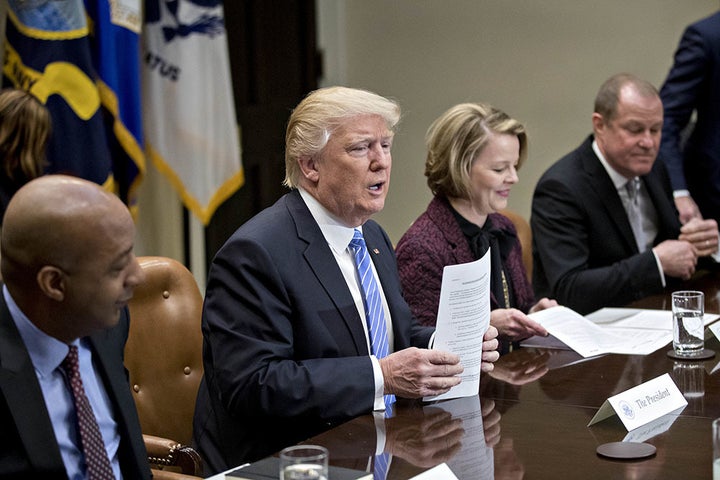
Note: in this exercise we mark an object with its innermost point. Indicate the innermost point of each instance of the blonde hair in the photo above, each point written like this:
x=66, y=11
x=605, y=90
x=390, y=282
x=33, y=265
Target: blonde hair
x=316, y=117
x=24, y=132
x=456, y=138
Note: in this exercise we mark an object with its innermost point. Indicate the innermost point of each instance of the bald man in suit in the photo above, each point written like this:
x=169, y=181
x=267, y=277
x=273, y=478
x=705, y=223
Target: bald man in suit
x=69, y=270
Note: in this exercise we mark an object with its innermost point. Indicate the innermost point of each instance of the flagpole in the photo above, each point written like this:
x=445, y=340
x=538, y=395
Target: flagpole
x=195, y=251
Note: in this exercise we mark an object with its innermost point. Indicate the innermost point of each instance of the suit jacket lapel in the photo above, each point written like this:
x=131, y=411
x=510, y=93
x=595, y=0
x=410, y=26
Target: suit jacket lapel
x=321, y=261
x=668, y=221
x=382, y=256
x=24, y=397
x=107, y=347
x=607, y=196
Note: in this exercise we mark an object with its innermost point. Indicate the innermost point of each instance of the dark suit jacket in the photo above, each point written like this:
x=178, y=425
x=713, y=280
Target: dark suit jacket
x=584, y=252
x=285, y=353
x=693, y=84
x=28, y=448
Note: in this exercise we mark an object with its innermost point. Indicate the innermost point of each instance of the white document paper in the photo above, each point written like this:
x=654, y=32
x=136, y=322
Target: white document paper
x=610, y=330
x=576, y=331
x=463, y=317
x=642, y=404
x=475, y=459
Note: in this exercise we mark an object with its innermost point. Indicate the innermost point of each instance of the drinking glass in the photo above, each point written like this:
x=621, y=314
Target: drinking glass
x=304, y=462
x=688, y=307
x=690, y=378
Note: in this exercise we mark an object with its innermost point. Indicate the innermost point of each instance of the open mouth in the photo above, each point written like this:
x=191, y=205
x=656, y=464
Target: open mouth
x=376, y=186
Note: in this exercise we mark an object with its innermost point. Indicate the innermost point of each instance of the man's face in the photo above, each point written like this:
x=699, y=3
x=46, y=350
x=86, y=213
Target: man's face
x=351, y=175
x=101, y=284
x=631, y=140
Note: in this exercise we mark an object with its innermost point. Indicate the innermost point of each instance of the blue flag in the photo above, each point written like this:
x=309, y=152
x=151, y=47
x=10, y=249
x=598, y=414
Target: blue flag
x=83, y=73
x=115, y=46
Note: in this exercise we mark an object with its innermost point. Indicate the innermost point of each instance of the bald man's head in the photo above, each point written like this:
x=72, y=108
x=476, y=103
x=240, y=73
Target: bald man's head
x=53, y=220
x=67, y=255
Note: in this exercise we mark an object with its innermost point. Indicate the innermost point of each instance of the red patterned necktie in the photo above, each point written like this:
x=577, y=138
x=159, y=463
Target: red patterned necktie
x=96, y=458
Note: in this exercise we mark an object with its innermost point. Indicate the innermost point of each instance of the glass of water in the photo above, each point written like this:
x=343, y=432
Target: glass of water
x=688, y=307
x=304, y=462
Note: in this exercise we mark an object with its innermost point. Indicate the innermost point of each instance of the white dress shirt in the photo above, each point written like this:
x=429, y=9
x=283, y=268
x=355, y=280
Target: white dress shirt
x=338, y=237
x=647, y=209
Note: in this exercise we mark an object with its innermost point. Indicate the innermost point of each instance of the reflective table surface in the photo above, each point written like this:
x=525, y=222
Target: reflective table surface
x=535, y=408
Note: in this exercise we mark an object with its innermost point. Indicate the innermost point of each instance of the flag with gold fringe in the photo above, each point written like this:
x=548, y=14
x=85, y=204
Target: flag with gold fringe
x=47, y=52
x=191, y=130
x=81, y=59
x=115, y=42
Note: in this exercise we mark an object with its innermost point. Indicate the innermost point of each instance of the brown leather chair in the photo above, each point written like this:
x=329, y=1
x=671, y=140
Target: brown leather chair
x=163, y=356
x=525, y=236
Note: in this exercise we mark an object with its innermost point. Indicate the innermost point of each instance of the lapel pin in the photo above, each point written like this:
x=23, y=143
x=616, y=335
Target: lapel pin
x=376, y=251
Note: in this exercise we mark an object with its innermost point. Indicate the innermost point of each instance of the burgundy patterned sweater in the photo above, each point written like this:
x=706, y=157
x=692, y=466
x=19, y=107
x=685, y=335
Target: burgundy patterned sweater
x=435, y=240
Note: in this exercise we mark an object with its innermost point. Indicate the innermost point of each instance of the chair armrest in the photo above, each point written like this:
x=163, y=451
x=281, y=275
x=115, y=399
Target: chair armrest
x=165, y=452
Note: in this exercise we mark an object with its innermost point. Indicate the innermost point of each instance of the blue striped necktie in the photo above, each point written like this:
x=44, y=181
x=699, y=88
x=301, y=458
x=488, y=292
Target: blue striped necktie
x=381, y=466
x=375, y=316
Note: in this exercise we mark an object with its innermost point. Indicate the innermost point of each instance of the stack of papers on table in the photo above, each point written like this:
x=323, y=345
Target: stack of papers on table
x=631, y=331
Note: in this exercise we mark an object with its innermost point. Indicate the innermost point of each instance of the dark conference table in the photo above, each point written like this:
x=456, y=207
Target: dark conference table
x=535, y=408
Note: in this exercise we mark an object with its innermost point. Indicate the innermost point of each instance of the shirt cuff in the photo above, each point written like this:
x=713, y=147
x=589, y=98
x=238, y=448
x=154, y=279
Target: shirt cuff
x=380, y=434
x=379, y=402
x=681, y=193
x=660, y=269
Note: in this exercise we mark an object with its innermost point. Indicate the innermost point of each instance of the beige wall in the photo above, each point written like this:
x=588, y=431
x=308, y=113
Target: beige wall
x=540, y=61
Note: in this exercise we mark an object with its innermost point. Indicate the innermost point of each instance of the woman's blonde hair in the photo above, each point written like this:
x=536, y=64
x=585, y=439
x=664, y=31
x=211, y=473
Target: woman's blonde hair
x=24, y=132
x=320, y=113
x=457, y=137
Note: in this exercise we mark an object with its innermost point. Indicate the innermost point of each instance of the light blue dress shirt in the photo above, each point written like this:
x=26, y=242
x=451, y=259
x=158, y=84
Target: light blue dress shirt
x=46, y=354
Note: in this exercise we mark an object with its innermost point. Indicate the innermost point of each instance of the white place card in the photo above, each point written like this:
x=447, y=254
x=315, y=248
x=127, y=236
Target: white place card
x=654, y=428
x=715, y=328
x=642, y=404
x=439, y=472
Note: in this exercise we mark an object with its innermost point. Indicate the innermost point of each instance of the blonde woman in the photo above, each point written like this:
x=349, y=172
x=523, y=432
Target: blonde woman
x=474, y=152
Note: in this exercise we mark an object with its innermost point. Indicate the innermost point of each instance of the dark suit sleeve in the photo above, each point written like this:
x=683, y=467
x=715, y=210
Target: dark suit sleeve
x=274, y=344
x=578, y=259
x=680, y=95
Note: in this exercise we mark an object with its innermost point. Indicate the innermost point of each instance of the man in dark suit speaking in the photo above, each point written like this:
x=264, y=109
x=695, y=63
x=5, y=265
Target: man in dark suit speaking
x=300, y=331
x=605, y=228
x=66, y=410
